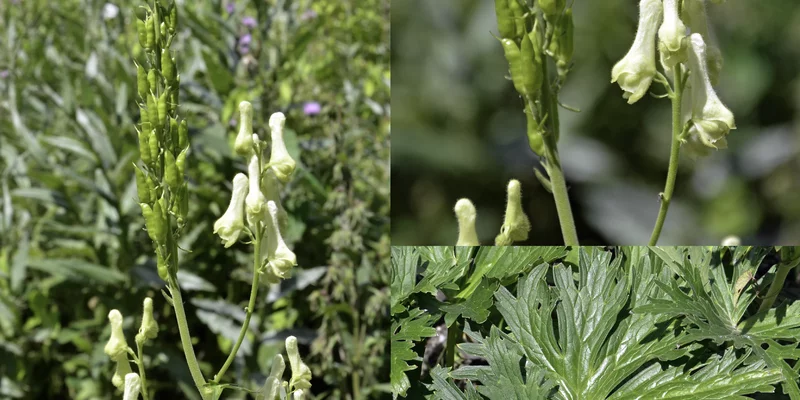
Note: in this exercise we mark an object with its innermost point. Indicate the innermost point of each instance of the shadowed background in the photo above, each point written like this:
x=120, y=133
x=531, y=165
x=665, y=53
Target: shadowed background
x=460, y=131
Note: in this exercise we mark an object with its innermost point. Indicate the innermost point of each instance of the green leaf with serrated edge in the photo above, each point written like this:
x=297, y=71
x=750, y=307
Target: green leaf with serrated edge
x=405, y=332
x=444, y=388
x=404, y=272
x=443, y=269
x=590, y=351
x=504, y=262
x=725, y=377
x=476, y=307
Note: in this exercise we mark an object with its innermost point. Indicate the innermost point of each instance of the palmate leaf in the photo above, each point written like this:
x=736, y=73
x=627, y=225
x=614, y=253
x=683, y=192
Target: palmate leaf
x=508, y=261
x=598, y=349
x=446, y=265
x=405, y=332
x=714, y=304
x=476, y=307
x=404, y=273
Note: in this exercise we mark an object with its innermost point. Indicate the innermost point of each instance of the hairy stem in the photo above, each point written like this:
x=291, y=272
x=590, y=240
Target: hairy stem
x=248, y=311
x=553, y=165
x=142, y=376
x=674, y=153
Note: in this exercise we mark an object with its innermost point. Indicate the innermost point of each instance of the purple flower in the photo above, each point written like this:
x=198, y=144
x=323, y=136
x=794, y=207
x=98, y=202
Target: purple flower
x=4, y=74
x=312, y=108
x=308, y=15
x=230, y=7
x=249, y=22
x=245, y=39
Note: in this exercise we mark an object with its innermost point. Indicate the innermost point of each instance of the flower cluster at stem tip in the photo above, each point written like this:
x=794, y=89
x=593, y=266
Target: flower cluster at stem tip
x=685, y=42
x=255, y=205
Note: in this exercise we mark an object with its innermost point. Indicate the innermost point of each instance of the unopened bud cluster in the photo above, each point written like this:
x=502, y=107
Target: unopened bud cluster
x=163, y=137
x=679, y=30
x=526, y=40
x=255, y=201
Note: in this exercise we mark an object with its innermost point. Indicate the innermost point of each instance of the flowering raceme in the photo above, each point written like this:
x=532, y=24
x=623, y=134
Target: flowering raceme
x=636, y=70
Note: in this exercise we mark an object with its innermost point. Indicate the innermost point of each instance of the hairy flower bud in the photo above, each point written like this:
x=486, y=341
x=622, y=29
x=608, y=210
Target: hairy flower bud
x=279, y=160
x=636, y=70
x=116, y=343
x=465, y=212
x=149, y=327
x=279, y=259
x=255, y=200
x=133, y=385
x=516, y=225
x=230, y=225
x=671, y=35
x=711, y=120
x=301, y=374
x=244, y=139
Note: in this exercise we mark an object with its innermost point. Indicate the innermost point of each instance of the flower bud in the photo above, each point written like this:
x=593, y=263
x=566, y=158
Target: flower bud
x=279, y=258
x=173, y=19
x=516, y=225
x=636, y=70
x=552, y=7
x=279, y=159
x=298, y=395
x=301, y=374
x=171, y=176
x=244, y=140
x=150, y=38
x=152, y=81
x=183, y=135
x=132, y=386
x=711, y=120
x=149, y=327
x=670, y=36
x=505, y=19
x=465, y=212
x=116, y=343
x=271, y=188
x=230, y=225
x=731, y=241
x=142, y=189
x=141, y=81
x=531, y=70
x=563, y=54
x=141, y=30
x=255, y=200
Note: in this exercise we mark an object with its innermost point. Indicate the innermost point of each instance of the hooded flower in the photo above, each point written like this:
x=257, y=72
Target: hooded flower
x=280, y=160
x=122, y=370
x=271, y=188
x=116, y=344
x=671, y=35
x=516, y=225
x=255, y=200
x=273, y=382
x=465, y=212
x=149, y=327
x=244, y=140
x=711, y=120
x=636, y=70
x=230, y=225
x=694, y=13
x=301, y=374
x=279, y=259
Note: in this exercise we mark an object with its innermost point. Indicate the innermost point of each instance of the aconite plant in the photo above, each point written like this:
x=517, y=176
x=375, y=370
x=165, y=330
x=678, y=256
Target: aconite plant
x=537, y=39
x=255, y=210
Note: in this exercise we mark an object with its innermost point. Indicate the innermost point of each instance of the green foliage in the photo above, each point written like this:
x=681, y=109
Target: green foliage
x=72, y=243
x=627, y=323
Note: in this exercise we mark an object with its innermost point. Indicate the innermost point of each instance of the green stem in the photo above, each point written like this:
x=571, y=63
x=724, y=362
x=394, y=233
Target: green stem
x=248, y=311
x=140, y=364
x=776, y=285
x=453, y=333
x=186, y=338
x=672, y=173
x=553, y=165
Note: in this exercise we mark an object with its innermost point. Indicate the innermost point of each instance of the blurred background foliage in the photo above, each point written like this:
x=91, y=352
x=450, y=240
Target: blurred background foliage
x=72, y=244
x=460, y=130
